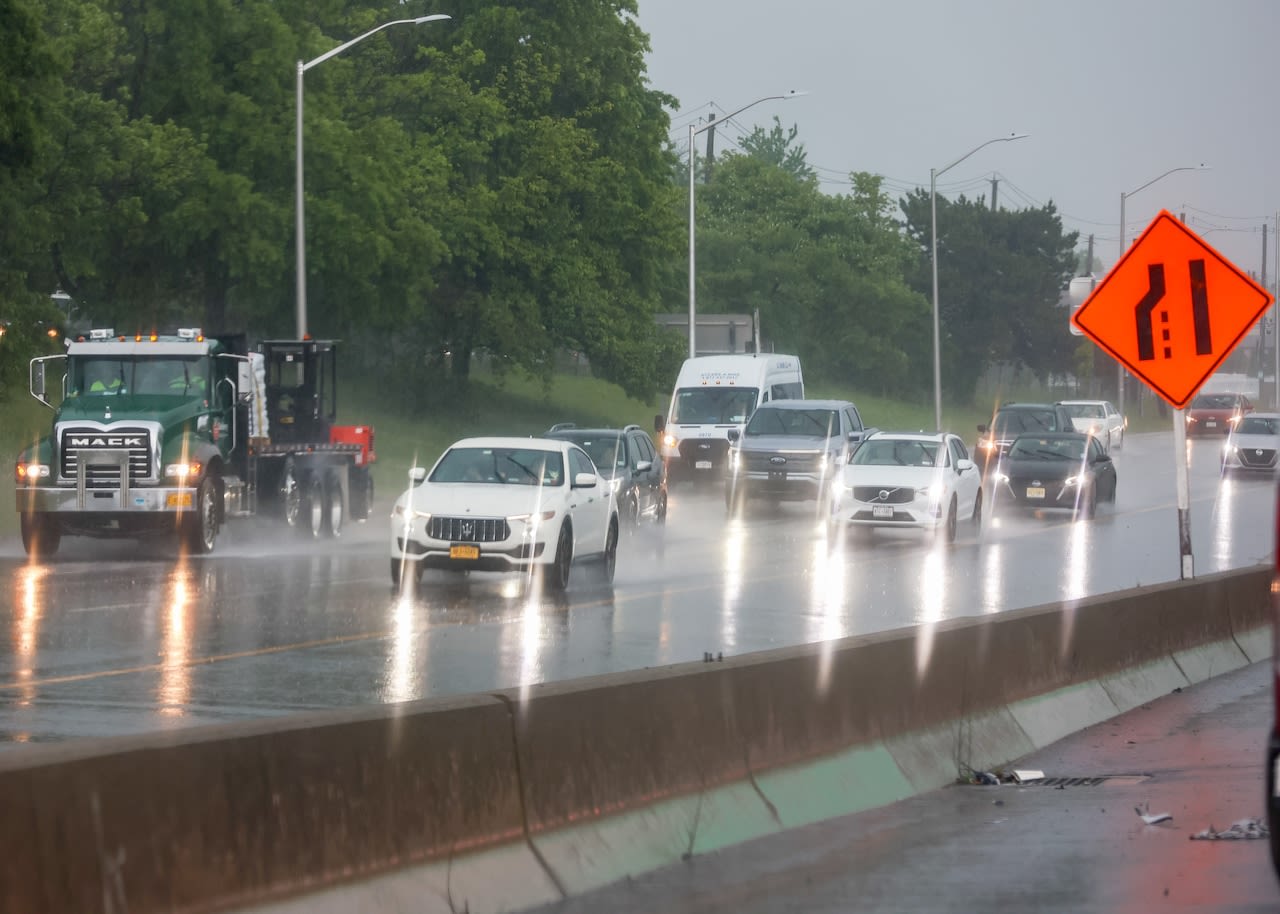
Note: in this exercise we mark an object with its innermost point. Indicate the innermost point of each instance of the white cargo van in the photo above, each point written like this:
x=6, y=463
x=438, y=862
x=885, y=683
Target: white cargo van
x=713, y=394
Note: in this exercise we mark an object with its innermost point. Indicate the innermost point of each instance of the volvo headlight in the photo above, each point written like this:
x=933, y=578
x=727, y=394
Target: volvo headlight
x=932, y=492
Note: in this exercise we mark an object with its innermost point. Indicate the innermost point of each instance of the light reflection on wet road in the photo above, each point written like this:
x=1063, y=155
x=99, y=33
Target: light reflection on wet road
x=114, y=638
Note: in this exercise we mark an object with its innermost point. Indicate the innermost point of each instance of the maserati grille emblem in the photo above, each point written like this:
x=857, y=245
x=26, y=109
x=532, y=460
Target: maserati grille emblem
x=468, y=530
x=778, y=460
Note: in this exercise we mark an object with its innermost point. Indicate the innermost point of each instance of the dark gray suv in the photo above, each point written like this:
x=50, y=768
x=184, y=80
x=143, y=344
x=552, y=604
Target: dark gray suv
x=791, y=449
x=1012, y=420
x=629, y=464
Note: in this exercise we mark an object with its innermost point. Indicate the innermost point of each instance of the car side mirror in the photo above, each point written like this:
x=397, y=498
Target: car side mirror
x=37, y=380
x=417, y=475
x=733, y=434
x=1102, y=458
x=982, y=429
x=659, y=424
x=644, y=466
x=584, y=481
x=964, y=464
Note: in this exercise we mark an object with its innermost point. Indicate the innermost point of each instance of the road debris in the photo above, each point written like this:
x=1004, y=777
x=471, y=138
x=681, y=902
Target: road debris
x=1144, y=812
x=1244, y=830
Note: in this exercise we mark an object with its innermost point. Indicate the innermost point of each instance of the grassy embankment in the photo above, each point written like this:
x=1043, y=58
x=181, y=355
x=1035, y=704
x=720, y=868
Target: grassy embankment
x=518, y=408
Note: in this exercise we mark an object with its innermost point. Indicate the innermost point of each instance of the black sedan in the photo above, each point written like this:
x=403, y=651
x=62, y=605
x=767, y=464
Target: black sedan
x=1055, y=470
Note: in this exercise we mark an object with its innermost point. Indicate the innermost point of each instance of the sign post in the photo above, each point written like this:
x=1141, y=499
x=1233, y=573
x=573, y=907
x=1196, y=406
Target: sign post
x=1171, y=311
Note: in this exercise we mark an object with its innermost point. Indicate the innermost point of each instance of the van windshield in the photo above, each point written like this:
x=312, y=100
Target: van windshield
x=714, y=405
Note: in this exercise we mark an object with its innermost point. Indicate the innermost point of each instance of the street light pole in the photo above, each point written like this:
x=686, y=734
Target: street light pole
x=1123, y=233
x=693, y=132
x=933, y=235
x=300, y=241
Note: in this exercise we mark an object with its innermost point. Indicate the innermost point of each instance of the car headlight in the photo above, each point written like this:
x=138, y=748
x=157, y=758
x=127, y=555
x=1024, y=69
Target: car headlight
x=669, y=440
x=28, y=471
x=932, y=492
x=1000, y=477
x=186, y=470
x=987, y=444
x=532, y=519
x=615, y=485
x=401, y=511
x=1071, y=481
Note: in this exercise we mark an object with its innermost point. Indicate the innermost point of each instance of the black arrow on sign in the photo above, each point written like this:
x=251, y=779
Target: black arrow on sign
x=1155, y=292
x=1199, y=310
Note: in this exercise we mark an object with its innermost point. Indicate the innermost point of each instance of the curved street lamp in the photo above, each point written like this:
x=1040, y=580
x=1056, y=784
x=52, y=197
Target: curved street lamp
x=933, y=235
x=1123, y=239
x=694, y=131
x=300, y=233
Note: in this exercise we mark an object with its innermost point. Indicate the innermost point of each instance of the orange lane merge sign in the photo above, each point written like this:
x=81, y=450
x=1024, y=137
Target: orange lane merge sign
x=1171, y=310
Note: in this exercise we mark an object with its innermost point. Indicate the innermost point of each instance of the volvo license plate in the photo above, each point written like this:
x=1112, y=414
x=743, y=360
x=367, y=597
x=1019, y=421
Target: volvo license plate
x=464, y=552
x=882, y=511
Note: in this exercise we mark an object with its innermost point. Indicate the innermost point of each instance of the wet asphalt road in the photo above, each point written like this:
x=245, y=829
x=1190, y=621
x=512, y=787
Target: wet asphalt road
x=118, y=637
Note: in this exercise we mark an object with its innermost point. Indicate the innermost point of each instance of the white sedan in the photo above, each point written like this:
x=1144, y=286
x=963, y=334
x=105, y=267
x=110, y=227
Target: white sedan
x=505, y=504
x=1100, y=419
x=1253, y=444
x=909, y=480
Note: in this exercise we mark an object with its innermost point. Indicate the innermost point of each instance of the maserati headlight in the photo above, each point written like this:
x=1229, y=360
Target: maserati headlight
x=533, y=519
x=401, y=511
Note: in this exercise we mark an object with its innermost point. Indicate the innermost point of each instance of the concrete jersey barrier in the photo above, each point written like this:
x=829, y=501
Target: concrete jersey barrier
x=218, y=817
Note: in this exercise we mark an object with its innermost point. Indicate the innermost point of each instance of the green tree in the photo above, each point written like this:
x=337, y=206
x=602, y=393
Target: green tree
x=779, y=147
x=826, y=272
x=1001, y=276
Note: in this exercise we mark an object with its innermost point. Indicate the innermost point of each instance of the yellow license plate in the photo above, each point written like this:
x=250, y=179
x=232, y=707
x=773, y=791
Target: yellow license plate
x=1035, y=492
x=179, y=500
x=464, y=552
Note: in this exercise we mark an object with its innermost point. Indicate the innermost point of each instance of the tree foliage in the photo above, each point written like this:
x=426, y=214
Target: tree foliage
x=1001, y=275
x=499, y=181
x=828, y=273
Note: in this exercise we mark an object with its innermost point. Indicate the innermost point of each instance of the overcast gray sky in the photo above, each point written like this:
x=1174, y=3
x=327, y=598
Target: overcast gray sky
x=1112, y=93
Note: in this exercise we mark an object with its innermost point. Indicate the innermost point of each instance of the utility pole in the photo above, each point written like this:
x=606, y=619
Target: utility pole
x=711, y=147
x=995, y=190
x=1267, y=328
x=1093, y=373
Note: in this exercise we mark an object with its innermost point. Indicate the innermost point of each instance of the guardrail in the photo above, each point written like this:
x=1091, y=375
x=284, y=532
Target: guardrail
x=216, y=817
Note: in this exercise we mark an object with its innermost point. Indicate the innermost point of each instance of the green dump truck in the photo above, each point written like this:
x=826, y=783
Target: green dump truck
x=173, y=435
